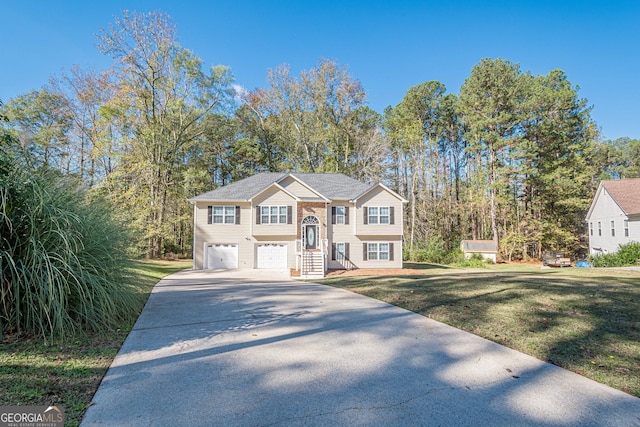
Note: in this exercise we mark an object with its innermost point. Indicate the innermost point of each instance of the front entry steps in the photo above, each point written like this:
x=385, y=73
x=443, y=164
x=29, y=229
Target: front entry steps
x=312, y=265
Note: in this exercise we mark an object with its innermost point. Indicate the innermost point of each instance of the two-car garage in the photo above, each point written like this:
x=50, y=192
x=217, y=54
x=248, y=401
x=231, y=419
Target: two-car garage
x=224, y=256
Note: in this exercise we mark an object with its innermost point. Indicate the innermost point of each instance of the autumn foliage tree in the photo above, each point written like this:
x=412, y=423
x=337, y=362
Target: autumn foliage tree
x=513, y=157
x=314, y=122
x=515, y=150
x=165, y=97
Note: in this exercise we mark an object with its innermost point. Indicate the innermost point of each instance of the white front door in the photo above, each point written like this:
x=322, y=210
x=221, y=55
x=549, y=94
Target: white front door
x=273, y=255
x=222, y=256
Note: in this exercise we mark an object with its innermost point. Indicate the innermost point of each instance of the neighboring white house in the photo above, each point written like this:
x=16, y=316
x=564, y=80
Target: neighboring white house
x=614, y=216
x=487, y=248
x=307, y=222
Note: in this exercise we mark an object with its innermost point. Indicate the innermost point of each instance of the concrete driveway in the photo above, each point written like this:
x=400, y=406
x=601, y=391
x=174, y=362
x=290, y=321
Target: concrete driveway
x=257, y=349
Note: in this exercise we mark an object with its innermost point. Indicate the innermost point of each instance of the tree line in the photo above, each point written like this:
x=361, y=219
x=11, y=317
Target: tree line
x=514, y=157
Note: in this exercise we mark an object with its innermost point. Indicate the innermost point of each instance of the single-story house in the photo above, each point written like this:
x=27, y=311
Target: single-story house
x=310, y=222
x=614, y=216
x=487, y=248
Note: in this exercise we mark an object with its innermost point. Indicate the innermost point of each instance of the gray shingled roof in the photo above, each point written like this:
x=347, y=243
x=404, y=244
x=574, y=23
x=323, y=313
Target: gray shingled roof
x=479, y=246
x=243, y=189
x=333, y=185
x=330, y=185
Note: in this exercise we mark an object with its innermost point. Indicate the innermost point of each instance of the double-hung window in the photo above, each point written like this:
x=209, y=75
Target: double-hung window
x=273, y=214
x=613, y=228
x=378, y=251
x=599, y=228
x=340, y=214
x=379, y=215
x=626, y=228
x=591, y=228
x=340, y=251
x=224, y=215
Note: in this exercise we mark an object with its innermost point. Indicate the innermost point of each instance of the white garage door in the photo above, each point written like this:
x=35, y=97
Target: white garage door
x=222, y=256
x=272, y=256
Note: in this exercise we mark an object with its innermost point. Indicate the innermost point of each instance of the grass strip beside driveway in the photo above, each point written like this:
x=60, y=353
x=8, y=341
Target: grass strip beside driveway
x=68, y=373
x=586, y=321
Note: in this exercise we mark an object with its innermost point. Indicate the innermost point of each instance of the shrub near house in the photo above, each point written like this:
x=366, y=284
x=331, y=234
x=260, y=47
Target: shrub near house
x=626, y=255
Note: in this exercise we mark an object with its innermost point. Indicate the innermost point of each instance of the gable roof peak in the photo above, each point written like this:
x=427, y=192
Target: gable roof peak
x=331, y=186
x=624, y=192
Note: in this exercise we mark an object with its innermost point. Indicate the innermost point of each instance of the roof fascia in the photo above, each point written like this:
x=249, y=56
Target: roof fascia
x=194, y=201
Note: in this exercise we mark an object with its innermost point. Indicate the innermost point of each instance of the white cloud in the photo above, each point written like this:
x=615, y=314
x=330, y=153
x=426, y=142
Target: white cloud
x=239, y=90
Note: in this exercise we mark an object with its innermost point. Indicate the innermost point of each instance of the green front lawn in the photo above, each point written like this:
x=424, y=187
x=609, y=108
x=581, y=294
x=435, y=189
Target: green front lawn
x=585, y=320
x=68, y=373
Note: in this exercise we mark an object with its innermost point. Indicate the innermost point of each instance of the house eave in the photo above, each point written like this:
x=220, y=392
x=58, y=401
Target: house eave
x=313, y=200
x=194, y=201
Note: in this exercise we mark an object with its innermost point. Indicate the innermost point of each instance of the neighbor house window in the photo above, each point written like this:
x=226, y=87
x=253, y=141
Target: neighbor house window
x=626, y=228
x=613, y=228
x=274, y=215
x=591, y=228
x=378, y=252
x=379, y=215
x=599, y=228
x=223, y=215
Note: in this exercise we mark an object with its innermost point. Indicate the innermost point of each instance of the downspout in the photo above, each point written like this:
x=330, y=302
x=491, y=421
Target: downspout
x=193, y=250
x=325, y=255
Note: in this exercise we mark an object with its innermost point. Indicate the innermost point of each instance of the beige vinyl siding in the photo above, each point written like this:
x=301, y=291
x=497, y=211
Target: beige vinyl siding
x=274, y=197
x=237, y=234
x=297, y=189
x=356, y=258
x=344, y=233
x=222, y=233
x=397, y=252
x=378, y=197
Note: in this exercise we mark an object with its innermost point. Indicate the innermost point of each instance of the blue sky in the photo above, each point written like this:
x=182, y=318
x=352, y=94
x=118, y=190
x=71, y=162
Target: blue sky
x=388, y=45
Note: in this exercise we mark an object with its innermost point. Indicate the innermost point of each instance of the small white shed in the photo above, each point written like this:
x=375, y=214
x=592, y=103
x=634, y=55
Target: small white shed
x=487, y=248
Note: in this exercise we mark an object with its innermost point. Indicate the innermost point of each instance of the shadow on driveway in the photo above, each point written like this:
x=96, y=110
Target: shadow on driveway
x=257, y=350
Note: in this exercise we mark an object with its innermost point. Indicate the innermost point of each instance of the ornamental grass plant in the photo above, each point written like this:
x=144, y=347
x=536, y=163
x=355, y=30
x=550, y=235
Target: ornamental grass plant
x=63, y=261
